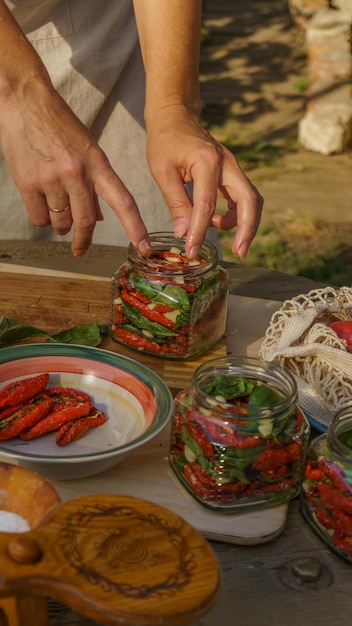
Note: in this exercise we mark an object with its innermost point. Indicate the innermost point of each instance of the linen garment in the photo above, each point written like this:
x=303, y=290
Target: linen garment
x=91, y=51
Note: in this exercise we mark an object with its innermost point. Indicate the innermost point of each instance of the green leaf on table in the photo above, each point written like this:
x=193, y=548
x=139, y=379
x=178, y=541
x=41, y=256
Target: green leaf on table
x=18, y=332
x=86, y=334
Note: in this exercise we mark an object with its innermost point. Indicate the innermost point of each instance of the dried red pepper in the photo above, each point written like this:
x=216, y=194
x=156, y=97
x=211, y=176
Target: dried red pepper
x=67, y=404
x=47, y=411
x=73, y=430
x=24, y=416
x=21, y=390
x=275, y=457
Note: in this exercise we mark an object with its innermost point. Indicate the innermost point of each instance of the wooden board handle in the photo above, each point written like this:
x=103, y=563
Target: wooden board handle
x=114, y=559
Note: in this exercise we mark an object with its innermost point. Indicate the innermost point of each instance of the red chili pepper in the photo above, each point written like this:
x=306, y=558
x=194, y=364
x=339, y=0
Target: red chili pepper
x=142, y=307
x=142, y=343
x=274, y=457
x=332, y=519
x=199, y=435
x=24, y=416
x=274, y=473
x=222, y=434
x=332, y=498
x=313, y=470
x=67, y=404
x=21, y=390
x=332, y=472
x=119, y=316
x=260, y=487
x=73, y=430
x=162, y=308
x=62, y=396
x=342, y=543
x=323, y=517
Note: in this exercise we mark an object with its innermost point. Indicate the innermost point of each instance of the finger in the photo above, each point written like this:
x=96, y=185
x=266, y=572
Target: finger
x=246, y=215
x=204, y=203
x=226, y=221
x=37, y=208
x=42, y=214
x=178, y=201
x=83, y=204
x=60, y=214
x=116, y=195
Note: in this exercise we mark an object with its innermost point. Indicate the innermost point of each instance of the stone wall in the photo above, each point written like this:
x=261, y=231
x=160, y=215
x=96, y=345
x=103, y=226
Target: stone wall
x=327, y=124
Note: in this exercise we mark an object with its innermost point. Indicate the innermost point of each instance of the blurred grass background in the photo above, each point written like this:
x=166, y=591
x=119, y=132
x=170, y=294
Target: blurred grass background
x=254, y=85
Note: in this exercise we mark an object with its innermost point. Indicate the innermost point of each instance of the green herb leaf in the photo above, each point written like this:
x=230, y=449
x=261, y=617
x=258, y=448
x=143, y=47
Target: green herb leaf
x=263, y=396
x=139, y=321
x=18, y=332
x=86, y=334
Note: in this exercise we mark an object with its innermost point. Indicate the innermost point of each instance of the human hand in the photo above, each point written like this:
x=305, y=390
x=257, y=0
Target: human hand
x=181, y=151
x=60, y=170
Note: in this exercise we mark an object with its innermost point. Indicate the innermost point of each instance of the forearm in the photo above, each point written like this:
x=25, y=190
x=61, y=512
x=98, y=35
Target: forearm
x=169, y=32
x=20, y=65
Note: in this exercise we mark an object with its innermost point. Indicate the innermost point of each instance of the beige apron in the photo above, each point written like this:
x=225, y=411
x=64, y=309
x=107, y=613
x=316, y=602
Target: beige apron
x=91, y=51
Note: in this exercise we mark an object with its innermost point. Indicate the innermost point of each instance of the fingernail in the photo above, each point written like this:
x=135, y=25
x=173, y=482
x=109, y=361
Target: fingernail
x=194, y=251
x=180, y=227
x=144, y=247
x=243, y=249
x=78, y=251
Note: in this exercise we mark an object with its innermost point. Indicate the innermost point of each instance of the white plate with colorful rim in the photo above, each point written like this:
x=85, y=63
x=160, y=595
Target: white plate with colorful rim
x=136, y=402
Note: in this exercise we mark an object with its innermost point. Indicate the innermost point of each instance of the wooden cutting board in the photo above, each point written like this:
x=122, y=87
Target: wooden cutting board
x=146, y=474
x=59, y=300
x=55, y=301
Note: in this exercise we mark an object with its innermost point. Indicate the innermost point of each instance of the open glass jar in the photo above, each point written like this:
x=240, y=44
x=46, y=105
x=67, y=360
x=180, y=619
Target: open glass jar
x=326, y=496
x=166, y=305
x=238, y=438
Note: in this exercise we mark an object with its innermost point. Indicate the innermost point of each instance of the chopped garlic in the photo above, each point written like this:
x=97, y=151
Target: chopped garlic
x=193, y=263
x=175, y=250
x=172, y=315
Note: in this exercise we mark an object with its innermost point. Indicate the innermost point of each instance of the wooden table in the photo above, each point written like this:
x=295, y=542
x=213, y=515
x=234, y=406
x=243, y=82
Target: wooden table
x=290, y=580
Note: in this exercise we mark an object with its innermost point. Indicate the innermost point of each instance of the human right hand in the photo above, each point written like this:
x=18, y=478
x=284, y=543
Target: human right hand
x=56, y=163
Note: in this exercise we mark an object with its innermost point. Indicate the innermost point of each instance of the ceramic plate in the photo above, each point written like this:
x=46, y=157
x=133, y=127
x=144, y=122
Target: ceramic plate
x=136, y=402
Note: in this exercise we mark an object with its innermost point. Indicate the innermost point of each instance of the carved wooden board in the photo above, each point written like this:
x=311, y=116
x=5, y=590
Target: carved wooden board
x=115, y=559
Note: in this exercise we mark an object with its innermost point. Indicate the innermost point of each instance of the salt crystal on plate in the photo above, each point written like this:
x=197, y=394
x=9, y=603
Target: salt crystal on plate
x=12, y=522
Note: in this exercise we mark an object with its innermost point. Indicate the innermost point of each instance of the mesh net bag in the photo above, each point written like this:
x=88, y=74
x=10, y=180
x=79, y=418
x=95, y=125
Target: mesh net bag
x=299, y=339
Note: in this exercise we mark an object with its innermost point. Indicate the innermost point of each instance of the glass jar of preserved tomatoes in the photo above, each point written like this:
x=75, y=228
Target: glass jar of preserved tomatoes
x=167, y=305
x=326, y=496
x=238, y=438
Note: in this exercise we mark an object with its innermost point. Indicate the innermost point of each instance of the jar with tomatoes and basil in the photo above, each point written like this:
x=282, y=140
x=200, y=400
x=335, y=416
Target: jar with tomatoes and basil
x=238, y=437
x=326, y=497
x=168, y=305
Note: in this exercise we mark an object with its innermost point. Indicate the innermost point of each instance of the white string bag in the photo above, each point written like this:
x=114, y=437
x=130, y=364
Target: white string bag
x=299, y=339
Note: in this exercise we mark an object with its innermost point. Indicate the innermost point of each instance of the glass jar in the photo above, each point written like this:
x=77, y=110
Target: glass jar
x=238, y=438
x=166, y=305
x=326, y=496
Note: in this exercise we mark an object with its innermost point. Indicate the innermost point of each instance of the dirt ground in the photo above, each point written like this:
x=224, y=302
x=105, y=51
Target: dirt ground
x=253, y=65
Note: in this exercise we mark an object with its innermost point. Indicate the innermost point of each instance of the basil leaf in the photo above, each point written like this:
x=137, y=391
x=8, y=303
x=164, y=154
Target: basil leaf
x=263, y=396
x=175, y=297
x=139, y=321
x=6, y=323
x=20, y=331
x=85, y=335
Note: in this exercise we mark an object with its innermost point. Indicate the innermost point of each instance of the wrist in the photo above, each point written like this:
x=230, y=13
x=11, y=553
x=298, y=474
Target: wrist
x=172, y=111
